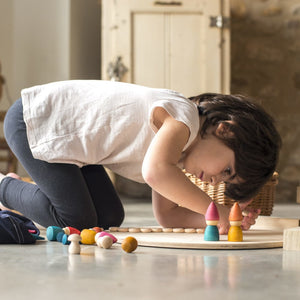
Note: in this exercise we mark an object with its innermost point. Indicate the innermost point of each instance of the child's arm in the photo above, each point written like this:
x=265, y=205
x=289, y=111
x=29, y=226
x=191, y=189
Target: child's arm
x=161, y=172
x=169, y=214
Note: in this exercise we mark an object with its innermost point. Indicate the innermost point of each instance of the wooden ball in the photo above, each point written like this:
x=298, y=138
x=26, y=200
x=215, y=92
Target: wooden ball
x=88, y=236
x=106, y=241
x=97, y=229
x=129, y=244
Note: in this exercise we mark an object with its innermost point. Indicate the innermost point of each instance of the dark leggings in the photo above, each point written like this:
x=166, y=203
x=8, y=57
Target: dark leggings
x=64, y=194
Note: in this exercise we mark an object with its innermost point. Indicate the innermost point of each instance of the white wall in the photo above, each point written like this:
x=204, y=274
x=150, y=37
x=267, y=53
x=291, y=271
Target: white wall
x=43, y=41
x=85, y=48
x=6, y=45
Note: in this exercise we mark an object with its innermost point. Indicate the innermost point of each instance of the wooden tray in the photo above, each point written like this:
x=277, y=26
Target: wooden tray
x=267, y=233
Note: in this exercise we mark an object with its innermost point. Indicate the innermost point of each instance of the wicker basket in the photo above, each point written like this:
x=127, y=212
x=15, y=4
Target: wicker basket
x=264, y=200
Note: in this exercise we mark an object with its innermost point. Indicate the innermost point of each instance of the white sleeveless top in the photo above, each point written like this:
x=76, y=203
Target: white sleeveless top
x=87, y=122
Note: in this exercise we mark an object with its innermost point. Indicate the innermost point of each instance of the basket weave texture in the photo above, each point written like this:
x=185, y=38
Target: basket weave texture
x=264, y=199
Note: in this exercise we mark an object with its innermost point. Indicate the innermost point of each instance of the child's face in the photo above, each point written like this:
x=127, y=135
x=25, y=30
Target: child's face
x=210, y=160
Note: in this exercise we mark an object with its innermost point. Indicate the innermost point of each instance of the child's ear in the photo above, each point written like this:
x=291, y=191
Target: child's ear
x=223, y=130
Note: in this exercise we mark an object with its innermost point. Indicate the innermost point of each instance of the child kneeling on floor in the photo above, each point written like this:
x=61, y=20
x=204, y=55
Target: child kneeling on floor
x=65, y=133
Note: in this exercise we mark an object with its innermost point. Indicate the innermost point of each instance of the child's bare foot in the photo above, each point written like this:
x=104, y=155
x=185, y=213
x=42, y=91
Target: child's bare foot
x=13, y=175
x=2, y=207
x=2, y=176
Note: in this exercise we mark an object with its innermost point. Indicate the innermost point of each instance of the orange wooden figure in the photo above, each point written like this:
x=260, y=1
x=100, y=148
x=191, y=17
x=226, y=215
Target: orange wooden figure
x=235, y=233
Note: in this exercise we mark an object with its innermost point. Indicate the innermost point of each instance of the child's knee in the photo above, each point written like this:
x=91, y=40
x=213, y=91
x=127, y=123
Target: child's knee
x=109, y=220
x=83, y=221
x=112, y=219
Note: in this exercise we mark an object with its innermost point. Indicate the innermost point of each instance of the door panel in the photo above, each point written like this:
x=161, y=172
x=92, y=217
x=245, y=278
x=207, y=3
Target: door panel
x=168, y=45
x=186, y=72
x=148, y=61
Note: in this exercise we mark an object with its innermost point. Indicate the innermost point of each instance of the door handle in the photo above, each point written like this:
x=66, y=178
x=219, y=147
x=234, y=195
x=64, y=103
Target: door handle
x=171, y=3
x=116, y=69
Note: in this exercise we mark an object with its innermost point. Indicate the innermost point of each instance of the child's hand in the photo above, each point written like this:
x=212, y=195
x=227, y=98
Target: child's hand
x=247, y=222
x=250, y=218
x=251, y=215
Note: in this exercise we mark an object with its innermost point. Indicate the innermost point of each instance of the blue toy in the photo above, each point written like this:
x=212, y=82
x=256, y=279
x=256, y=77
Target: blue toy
x=59, y=236
x=52, y=232
x=211, y=232
x=65, y=240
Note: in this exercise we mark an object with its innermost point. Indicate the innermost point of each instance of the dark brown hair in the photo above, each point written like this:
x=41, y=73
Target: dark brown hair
x=255, y=140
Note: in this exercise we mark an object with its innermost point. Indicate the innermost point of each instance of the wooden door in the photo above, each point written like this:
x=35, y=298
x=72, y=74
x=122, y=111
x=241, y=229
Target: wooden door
x=177, y=44
x=181, y=45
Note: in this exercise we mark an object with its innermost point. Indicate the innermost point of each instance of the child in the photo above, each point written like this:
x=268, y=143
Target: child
x=65, y=133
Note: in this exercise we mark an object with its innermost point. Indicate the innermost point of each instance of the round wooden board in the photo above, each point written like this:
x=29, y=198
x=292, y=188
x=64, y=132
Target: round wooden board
x=253, y=239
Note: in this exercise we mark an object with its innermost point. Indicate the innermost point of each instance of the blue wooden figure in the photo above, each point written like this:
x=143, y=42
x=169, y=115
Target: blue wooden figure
x=52, y=232
x=211, y=232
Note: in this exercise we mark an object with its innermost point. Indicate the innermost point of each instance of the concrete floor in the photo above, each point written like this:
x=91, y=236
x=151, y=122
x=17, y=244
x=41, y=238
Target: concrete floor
x=46, y=270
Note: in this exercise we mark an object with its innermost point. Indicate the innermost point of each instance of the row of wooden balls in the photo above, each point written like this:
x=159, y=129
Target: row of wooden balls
x=73, y=237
